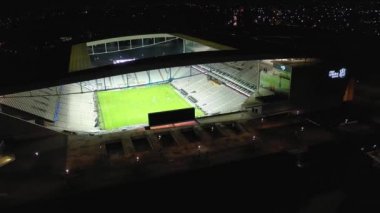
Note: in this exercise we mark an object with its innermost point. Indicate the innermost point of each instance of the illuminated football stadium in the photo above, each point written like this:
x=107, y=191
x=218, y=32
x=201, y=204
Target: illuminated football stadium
x=117, y=91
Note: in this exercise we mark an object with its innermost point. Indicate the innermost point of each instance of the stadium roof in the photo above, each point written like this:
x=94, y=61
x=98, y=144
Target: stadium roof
x=31, y=68
x=81, y=57
x=66, y=62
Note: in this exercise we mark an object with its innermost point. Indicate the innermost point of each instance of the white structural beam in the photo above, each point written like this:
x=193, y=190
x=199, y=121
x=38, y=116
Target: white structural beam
x=124, y=38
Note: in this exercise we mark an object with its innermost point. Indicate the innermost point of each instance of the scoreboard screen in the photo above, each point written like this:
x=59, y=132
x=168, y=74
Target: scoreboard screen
x=172, y=116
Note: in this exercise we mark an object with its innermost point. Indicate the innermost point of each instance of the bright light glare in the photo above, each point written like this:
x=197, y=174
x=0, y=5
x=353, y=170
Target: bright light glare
x=119, y=61
x=5, y=160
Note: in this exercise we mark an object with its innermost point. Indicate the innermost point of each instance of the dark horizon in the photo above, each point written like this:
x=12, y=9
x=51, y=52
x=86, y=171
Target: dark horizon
x=15, y=6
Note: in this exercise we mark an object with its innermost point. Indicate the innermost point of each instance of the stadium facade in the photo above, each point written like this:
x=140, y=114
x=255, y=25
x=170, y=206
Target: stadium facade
x=114, y=84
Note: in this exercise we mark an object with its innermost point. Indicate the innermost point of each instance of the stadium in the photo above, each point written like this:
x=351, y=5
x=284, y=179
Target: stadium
x=127, y=93
x=124, y=101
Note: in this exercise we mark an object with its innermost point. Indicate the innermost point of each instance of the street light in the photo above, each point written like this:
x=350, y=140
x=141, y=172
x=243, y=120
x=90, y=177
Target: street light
x=253, y=142
x=36, y=154
x=299, y=163
x=67, y=171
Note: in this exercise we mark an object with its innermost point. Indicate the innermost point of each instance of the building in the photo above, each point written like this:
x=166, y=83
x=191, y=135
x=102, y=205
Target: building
x=113, y=86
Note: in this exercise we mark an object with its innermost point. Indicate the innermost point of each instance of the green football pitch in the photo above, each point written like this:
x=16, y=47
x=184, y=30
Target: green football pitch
x=272, y=81
x=131, y=106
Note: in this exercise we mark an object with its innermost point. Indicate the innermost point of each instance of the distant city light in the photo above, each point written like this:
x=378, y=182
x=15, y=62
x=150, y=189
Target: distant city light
x=66, y=38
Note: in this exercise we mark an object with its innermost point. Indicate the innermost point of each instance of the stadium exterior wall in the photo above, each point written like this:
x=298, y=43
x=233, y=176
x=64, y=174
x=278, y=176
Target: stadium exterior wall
x=311, y=86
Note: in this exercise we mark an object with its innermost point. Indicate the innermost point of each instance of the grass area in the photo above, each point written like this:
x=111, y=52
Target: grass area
x=272, y=81
x=131, y=106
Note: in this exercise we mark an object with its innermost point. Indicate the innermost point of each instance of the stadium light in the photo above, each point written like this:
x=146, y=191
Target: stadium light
x=119, y=61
